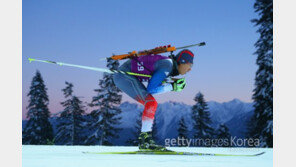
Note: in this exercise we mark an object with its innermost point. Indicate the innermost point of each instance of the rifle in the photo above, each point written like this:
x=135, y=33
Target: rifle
x=157, y=50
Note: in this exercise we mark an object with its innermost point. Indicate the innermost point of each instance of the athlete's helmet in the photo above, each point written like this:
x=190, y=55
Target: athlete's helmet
x=185, y=56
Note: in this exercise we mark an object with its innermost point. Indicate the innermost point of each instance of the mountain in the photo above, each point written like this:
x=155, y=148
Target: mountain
x=224, y=112
x=234, y=114
x=167, y=118
x=238, y=124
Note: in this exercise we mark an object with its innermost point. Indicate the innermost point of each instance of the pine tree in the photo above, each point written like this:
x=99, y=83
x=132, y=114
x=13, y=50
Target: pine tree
x=38, y=130
x=201, y=119
x=224, y=135
x=134, y=141
x=106, y=117
x=182, y=131
x=71, y=119
x=262, y=120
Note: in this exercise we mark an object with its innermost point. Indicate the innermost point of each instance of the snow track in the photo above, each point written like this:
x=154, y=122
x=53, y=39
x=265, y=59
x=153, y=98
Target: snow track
x=72, y=156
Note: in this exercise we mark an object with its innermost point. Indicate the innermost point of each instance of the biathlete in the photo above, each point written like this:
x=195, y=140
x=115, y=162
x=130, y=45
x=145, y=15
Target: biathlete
x=160, y=68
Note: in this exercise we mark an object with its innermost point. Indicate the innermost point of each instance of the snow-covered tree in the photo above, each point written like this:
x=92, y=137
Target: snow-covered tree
x=71, y=119
x=224, y=134
x=134, y=140
x=106, y=117
x=201, y=119
x=38, y=130
x=262, y=121
x=182, y=131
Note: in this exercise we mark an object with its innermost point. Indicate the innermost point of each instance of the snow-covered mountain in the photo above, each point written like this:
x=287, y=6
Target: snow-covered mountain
x=234, y=114
x=224, y=112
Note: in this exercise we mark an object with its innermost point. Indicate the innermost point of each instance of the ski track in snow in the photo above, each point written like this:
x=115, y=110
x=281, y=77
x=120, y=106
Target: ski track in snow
x=72, y=156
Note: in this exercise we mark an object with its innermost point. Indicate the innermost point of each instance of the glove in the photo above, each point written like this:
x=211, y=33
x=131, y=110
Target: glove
x=179, y=84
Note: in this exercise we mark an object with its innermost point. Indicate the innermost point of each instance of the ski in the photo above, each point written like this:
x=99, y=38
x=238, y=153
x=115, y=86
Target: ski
x=176, y=153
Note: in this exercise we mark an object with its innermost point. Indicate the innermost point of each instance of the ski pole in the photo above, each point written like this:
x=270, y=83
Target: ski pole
x=90, y=68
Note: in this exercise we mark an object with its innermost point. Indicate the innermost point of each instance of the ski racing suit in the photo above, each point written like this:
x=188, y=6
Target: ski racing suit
x=159, y=67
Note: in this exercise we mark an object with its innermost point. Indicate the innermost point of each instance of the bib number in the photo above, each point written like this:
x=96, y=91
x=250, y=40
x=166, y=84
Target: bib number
x=140, y=66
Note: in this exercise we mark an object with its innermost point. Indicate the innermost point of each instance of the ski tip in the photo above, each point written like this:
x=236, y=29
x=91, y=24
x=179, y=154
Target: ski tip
x=259, y=154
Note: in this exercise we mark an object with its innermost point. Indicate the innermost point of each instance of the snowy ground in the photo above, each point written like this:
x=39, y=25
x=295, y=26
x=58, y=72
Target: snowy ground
x=72, y=156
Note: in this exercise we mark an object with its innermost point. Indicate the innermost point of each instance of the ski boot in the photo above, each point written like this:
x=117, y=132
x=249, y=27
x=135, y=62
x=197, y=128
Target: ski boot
x=146, y=143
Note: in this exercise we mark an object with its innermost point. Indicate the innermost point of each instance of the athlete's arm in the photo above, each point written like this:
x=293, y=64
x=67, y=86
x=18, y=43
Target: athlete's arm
x=162, y=70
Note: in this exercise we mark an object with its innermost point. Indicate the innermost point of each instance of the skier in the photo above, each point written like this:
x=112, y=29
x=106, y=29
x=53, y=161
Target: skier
x=160, y=68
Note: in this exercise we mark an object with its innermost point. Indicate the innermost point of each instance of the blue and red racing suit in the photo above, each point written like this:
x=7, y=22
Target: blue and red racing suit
x=159, y=67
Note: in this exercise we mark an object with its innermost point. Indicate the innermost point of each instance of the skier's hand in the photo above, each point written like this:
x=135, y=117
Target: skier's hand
x=179, y=84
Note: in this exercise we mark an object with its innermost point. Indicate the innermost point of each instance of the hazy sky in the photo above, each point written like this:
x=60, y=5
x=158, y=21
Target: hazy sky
x=83, y=32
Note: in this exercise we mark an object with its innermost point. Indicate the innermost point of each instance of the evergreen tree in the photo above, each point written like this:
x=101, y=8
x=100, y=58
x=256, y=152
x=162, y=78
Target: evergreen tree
x=224, y=135
x=201, y=119
x=134, y=141
x=38, y=130
x=71, y=119
x=106, y=117
x=262, y=121
x=182, y=131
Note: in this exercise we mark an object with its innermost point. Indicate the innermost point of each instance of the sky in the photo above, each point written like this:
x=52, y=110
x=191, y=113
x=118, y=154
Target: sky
x=83, y=32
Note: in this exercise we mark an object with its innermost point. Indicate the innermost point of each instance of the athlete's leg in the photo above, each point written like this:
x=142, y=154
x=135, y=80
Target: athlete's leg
x=130, y=84
x=136, y=90
x=148, y=113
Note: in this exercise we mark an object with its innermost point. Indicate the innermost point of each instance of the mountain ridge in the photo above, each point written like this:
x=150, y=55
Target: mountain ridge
x=234, y=114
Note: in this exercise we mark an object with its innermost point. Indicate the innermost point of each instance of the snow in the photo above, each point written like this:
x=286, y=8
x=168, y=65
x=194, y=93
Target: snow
x=72, y=156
